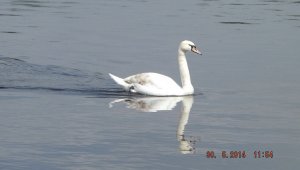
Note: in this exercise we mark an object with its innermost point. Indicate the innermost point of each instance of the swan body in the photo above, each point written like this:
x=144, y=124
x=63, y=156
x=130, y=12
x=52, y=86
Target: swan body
x=156, y=84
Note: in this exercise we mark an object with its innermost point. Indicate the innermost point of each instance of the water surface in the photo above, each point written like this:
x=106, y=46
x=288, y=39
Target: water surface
x=60, y=110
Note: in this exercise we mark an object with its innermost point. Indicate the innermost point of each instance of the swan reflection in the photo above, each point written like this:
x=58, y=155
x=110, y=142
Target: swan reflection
x=154, y=104
x=185, y=145
x=149, y=104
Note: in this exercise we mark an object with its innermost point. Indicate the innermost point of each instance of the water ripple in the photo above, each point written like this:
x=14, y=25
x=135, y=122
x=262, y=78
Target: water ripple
x=21, y=75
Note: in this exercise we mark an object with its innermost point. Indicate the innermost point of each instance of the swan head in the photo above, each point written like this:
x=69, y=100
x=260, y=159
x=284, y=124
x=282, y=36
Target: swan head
x=187, y=45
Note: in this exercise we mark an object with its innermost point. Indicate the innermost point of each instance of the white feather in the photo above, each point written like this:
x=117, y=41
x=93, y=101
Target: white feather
x=155, y=84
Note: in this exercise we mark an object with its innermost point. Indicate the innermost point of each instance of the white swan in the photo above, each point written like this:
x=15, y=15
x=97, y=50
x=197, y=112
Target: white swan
x=155, y=84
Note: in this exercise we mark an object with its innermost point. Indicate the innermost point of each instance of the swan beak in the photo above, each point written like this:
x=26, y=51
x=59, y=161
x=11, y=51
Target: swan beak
x=195, y=50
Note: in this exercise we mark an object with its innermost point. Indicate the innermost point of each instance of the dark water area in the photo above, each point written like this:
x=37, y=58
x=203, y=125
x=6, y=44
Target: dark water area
x=21, y=75
x=60, y=110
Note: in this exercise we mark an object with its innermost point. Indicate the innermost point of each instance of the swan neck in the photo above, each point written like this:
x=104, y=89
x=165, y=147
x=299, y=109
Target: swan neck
x=184, y=73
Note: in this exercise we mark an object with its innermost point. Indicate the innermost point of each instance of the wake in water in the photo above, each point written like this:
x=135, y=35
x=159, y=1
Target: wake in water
x=19, y=74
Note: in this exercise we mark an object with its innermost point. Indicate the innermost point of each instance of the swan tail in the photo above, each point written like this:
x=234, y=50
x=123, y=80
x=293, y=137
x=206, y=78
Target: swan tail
x=120, y=81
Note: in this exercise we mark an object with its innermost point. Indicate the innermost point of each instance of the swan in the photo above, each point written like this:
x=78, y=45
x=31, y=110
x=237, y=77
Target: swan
x=155, y=84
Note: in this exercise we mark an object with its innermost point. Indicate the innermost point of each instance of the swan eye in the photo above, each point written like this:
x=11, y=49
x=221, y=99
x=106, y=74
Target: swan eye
x=192, y=46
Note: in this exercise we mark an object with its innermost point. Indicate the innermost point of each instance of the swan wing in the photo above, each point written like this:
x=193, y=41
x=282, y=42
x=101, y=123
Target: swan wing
x=154, y=84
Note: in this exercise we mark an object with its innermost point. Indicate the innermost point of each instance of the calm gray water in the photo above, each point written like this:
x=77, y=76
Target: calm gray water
x=59, y=109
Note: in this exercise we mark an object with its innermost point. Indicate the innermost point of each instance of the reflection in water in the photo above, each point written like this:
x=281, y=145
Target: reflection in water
x=185, y=145
x=154, y=104
x=149, y=104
